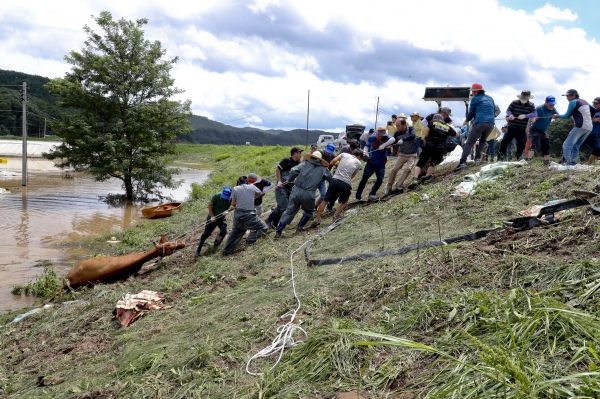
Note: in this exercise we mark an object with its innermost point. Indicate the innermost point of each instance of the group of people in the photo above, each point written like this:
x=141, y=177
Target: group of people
x=419, y=146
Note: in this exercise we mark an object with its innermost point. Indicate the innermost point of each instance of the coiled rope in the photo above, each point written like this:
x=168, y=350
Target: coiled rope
x=285, y=333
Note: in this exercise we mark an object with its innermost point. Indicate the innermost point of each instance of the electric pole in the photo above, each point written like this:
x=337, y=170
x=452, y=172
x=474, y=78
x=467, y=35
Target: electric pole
x=24, y=101
x=307, y=114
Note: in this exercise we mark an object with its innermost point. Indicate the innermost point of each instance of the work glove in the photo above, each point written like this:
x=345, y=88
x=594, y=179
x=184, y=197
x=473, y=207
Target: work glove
x=400, y=141
x=225, y=212
x=213, y=219
x=510, y=118
x=522, y=116
x=279, y=184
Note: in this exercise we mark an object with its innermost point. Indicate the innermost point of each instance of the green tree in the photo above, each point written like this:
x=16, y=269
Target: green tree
x=127, y=121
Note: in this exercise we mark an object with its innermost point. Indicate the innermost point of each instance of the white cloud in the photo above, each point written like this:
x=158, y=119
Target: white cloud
x=549, y=13
x=346, y=53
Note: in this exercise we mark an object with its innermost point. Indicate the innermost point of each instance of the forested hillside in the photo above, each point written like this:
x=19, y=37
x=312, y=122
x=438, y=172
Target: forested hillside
x=42, y=105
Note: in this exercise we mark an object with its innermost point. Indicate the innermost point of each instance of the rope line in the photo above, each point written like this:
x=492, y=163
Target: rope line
x=285, y=337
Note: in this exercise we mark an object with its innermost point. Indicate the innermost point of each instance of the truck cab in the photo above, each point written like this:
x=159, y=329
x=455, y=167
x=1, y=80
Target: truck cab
x=325, y=139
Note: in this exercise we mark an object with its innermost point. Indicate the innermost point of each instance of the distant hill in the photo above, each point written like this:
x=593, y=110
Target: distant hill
x=42, y=105
x=207, y=131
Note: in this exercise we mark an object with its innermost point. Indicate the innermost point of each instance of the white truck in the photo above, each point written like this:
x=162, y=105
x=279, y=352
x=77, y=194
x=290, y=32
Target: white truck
x=325, y=139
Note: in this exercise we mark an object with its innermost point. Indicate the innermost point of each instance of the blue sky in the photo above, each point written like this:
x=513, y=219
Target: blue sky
x=239, y=59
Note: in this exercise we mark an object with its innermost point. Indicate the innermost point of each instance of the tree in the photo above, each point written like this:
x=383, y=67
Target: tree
x=126, y=121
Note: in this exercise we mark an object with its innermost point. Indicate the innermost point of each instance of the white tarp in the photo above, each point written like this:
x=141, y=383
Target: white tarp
x=486, y=173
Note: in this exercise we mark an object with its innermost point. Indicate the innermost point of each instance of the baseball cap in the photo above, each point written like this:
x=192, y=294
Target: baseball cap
x=551, y=100
x=394, y=116
x=596, y=100
x=295, y=150
x=571, y=92
x=313, y=146
x=226, y=193
x=330, y=148
x=446, y=110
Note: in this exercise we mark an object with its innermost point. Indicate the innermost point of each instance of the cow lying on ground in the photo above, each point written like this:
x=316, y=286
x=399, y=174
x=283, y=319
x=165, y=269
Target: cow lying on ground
x=108, y=268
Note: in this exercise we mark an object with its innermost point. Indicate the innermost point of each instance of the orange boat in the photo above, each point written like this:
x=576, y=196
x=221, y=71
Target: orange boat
x=162, y=210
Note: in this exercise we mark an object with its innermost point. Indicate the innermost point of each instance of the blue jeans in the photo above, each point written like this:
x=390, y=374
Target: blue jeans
x=322, y=190
x=572, y=143
x=370, y=170
x=419, y=145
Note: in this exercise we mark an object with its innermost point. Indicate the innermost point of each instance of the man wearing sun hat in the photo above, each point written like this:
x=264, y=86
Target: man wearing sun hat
x=518, y=112
x=540, y=142
x=217, y=211
x=482, y=111
x=581, y=112
x=377, y=158
x=307, y=176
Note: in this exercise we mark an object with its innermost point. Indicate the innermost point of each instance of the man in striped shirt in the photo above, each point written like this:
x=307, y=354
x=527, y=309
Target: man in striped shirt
x=518, y=112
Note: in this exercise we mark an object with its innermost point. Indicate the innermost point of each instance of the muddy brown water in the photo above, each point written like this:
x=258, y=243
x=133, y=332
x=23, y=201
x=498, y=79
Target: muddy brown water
x=38, y=219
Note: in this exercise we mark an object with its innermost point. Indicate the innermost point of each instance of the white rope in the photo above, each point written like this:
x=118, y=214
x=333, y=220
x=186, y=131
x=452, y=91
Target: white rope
x=284, y=338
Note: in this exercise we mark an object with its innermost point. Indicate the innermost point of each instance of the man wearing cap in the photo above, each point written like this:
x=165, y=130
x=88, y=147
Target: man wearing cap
x=376, y=148
x=307, y=176
x=540, y=142
x=340, y=186
x=328, y=155
x=282, y=192
x=592, y=140
x=419, y=130
x=406, y=139
x=436, y=135
x=581, y=112
x=217, y=211
x=244, y=218
x=482, y=111
x=518, y=112
x=264, y=186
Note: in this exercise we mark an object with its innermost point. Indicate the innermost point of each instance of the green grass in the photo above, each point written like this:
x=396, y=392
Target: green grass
x=495, y=318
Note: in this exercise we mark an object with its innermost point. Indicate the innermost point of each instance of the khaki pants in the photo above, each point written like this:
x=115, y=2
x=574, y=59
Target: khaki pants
x=403, y=159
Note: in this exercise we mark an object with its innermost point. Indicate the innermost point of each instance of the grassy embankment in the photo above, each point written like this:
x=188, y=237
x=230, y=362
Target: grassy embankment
x=497, y=305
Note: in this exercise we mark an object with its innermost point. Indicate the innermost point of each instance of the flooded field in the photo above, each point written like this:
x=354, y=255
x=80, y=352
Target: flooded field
x=51, y=210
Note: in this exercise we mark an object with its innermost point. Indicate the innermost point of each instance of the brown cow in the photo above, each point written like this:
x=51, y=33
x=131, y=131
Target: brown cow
x=107, y=268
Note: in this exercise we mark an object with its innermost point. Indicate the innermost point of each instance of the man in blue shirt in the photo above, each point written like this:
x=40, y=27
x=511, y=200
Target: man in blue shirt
x=376, y=146
x=538, y=131
x=482, y=111
x=592, y=140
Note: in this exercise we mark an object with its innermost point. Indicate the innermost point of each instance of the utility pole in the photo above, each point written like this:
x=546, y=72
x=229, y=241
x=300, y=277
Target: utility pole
x=376, y=114
x=44, y=127
x=307, y=114
x=24, y=101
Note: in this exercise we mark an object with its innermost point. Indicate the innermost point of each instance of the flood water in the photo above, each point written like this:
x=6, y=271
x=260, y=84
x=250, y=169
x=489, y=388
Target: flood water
x=37, y=219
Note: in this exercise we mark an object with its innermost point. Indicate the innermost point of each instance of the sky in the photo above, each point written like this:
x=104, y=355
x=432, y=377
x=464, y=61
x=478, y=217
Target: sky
x=239, y=60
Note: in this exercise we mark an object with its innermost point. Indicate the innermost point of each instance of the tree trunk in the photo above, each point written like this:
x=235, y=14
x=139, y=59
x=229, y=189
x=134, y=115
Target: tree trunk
x=128, y=188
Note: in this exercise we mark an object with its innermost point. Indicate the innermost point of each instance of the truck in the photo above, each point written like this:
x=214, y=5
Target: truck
x=325, y=139
x=353, y=132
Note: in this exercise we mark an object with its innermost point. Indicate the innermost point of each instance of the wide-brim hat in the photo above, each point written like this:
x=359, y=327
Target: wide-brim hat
x=416, y=113
x=525, y=94
x=113, y=240
x=316, y=155
x=401, y=116
x=253, y=178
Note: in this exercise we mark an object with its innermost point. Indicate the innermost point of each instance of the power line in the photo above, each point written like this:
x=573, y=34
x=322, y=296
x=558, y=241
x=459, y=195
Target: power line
x=273, y=109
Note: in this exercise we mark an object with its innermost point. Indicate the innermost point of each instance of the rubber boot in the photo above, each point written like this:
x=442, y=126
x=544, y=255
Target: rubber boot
x=302, y=223
x=279, y=230
x=199, y=248
x=270, y=219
